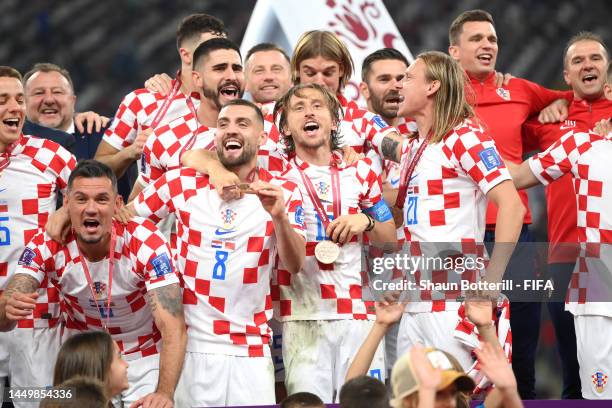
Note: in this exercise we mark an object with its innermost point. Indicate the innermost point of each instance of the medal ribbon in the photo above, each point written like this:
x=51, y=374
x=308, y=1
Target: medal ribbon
x=192, y=139
x=111, y=265
x=335, y=183
x=407, y=173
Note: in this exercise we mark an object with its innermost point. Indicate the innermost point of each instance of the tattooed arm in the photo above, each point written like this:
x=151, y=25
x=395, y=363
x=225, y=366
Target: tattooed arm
x=18, y=300
x=166, y=304
x=391, y=147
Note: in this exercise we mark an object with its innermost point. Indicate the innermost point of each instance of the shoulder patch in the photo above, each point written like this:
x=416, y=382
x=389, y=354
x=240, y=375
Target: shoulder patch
x=490, y=158
x=161, y=265
x=26, y=258
x=379, y=122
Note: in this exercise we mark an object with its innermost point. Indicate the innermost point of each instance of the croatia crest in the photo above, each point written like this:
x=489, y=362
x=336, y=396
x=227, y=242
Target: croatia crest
x=503, y=93
x=99, y=290
x=228, y=216
x=599, y=381
x=323, y=190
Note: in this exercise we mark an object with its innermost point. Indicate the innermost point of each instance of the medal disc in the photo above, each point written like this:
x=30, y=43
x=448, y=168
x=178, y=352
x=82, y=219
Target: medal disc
x=327, y=252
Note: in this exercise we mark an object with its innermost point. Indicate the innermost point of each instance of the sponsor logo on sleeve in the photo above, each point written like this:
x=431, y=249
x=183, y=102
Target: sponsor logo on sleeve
x=379, y=122
x=161, y=265
x=490, y=158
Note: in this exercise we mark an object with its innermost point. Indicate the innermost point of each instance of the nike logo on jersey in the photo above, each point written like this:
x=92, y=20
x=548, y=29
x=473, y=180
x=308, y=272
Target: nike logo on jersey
x=394, y=180
x=220, y=231
x=3, y=189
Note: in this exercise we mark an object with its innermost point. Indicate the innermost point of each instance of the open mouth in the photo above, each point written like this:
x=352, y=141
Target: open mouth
x=232, y=146
x=49, y=111
x=394, y=99
x=485, y=58
x=269, y=88
x=230, y=91
x=310, y=128
x=589, y=78
x=11, y=123
x=91, y=225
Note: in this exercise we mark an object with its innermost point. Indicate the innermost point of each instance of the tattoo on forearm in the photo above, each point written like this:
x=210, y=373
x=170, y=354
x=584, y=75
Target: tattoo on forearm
x=388, y=149
x=21, y=283
x=168, y=298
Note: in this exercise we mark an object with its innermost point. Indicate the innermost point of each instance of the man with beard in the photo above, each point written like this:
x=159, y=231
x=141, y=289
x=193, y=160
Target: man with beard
x=382, y=74
x=143, y=109
x=343, y=202
x=226, y=251
x=218, y=75
x=112, y=277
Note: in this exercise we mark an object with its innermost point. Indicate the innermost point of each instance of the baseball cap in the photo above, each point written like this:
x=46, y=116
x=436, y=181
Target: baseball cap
x=404, y=381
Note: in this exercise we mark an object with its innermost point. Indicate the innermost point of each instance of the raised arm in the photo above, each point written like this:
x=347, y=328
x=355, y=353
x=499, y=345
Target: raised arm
x=18, y=300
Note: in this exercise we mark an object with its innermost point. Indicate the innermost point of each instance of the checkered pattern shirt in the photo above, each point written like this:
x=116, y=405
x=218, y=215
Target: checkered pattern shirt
x=164, y=148
x=446, y=199
x=586, y=156
x=226, y=251
x=37, y=171
x=137, y=111
x=329, y=291
x=142, y=263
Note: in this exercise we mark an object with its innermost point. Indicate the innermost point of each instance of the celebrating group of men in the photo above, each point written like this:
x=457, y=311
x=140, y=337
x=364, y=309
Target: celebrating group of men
x=248, y=211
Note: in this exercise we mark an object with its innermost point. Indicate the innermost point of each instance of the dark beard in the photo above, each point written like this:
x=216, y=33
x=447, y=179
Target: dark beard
x=247, y=154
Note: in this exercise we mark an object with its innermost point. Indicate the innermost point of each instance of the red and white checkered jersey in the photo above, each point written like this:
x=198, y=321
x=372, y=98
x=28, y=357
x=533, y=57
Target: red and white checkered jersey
x=165, y=146
x=137, y=111
x=446, y=199
x=586, y=156
x=405, y=127
x=226, y=251
x=37, y=171
x=329, y=291
x=142, y=262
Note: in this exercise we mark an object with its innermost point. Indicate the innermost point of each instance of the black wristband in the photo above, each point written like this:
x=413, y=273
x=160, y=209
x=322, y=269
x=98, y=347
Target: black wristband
x=371, y=224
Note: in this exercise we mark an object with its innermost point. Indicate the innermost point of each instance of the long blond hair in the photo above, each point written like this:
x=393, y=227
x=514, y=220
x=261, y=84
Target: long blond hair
x=451, y=106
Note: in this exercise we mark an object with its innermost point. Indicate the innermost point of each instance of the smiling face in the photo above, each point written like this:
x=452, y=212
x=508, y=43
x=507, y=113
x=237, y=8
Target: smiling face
x=220, y=76
x=586, y=62
x=322, y=71
x=50, y=100
x=383, y=86
x=476, y=50
x=267, y=76
x=12, y=110
x=239, y=135
x=309, y=120
x=91, y=204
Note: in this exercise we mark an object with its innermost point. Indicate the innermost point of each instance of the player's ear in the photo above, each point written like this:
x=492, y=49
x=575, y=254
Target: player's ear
x=453, y=51
x=365, y=91
x=566, y=77
x=433, y=87
x=186, y=56
x=263, y=137
x=197, y=78
x=119, y=201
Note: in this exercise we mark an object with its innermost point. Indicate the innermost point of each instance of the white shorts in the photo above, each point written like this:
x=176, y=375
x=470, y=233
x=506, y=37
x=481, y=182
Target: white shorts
x=593, y=334
x=32, y=361
x=432, y=329
x=218, y=380
x=318, y=353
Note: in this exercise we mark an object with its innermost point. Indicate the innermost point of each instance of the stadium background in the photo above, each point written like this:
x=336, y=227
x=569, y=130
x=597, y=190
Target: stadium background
x=111, y=47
